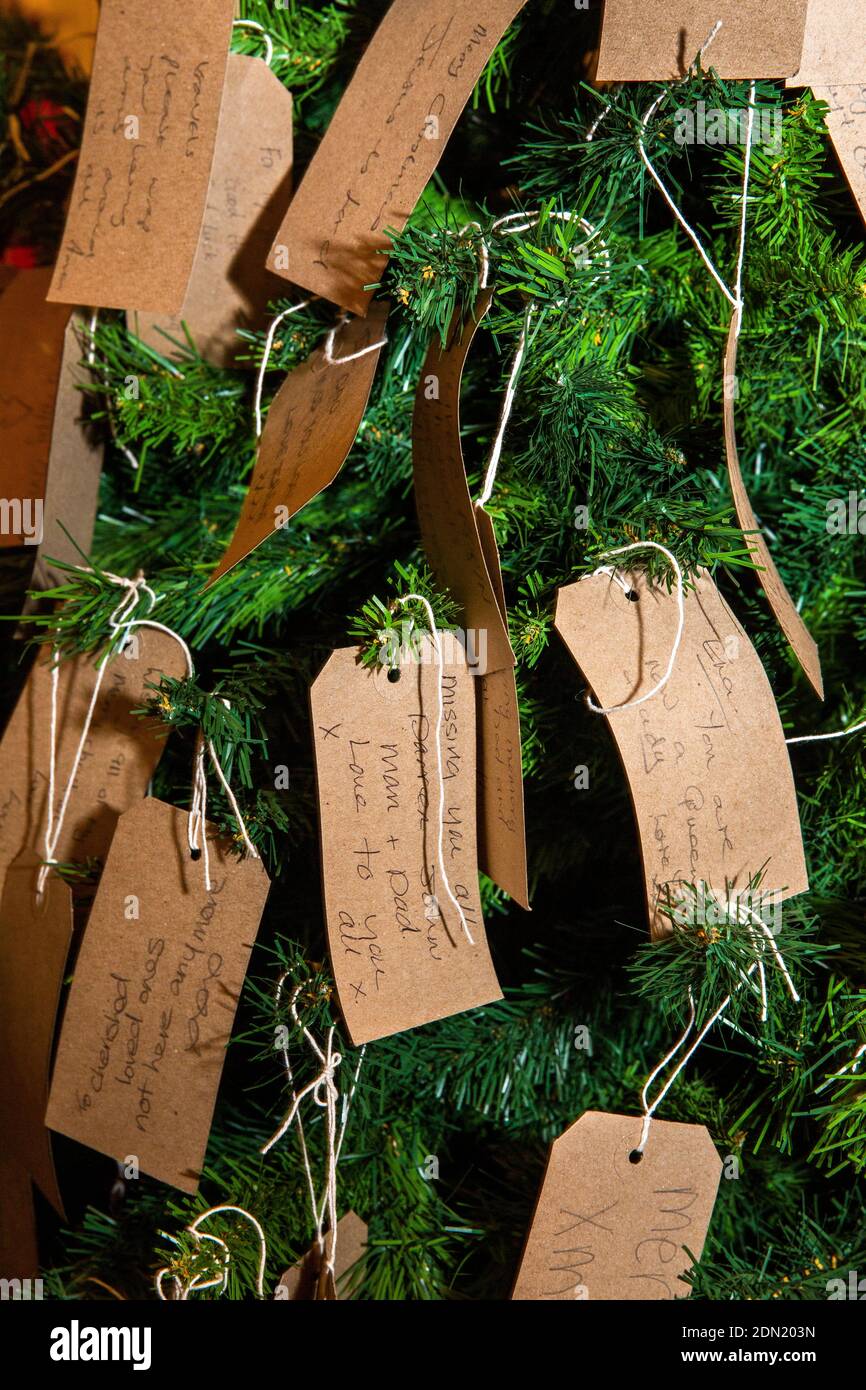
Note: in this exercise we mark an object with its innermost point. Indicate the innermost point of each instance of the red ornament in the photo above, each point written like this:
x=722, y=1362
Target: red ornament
x=21, y=257
x=48, y=123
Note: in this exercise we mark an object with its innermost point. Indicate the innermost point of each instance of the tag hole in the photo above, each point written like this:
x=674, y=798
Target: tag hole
x=635, y=1156
x=394, y=675
x=195, y=854
x=633, y=597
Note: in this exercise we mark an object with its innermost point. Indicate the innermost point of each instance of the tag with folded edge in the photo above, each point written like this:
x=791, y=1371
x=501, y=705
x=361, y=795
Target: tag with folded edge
x=795, y=630
x=460, y=544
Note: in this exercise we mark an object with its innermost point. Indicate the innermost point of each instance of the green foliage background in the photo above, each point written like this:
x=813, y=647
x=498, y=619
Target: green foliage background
x=618, y=409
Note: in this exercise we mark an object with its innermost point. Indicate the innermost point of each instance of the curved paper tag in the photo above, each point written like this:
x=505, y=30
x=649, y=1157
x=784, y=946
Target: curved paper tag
x=607, y=1228
x=311, y=426
x=399, y=952
x=384, y=141
x=446, y=514
x=779, y=599
x=249, y=189
x=706, y=760
x=501, y=823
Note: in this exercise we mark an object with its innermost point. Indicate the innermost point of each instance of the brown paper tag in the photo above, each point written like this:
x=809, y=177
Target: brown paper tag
x=607, y=1228
x=384, y=141
x=31, y=345
x=250, y=187
x=300, y=1283
x=643, y=43
x=831, y=53
x=119, y=758
x=154, y=995
x=137, y=204
x=399, y=952
x=779, y=599
x=35, y=935
x=311, y=426
x=846, y=123
x=501, y=824
x=446, y=515
x=706, y=761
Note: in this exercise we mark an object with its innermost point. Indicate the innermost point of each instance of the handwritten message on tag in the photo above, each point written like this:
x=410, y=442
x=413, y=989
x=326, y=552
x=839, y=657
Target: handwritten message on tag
x=789, y=620
x=607, y=1228
x=384, y=141
x=311, y=426
x=139, y=195
x=642, y=42
x=303, y=1281
x=706, y=760
x=153, y=1000
x=120, y=754
x=399, y=952
x=35, y=934
x=250, y=187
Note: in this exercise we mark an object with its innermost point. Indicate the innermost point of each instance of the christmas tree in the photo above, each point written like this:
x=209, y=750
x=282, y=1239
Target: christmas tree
x=614, y=437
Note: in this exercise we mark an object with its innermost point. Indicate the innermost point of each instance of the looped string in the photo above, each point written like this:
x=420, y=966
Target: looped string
x=440, y=715
x=323, y=1089
x=200, y=1281
x=333, y=361
x=649, y=1109
x=120, y=620
x=266, y=38
x=120, y=623
x=504, y=226
x=328, y=352
x=681, y=618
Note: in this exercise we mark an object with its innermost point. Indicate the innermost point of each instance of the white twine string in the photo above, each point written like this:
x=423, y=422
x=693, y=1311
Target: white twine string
x=503, y=226
x=849, y=1066
x=182, y=1291
x=440, y=715
x=120, y=618
x=735, y=296
x=333, y=361
x=254, y=24
x=328, y=352
x=122, y=621
x=325, y=1094
x=758, y=964
x=263, y=365
x=840, y=733
x=681, y=618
